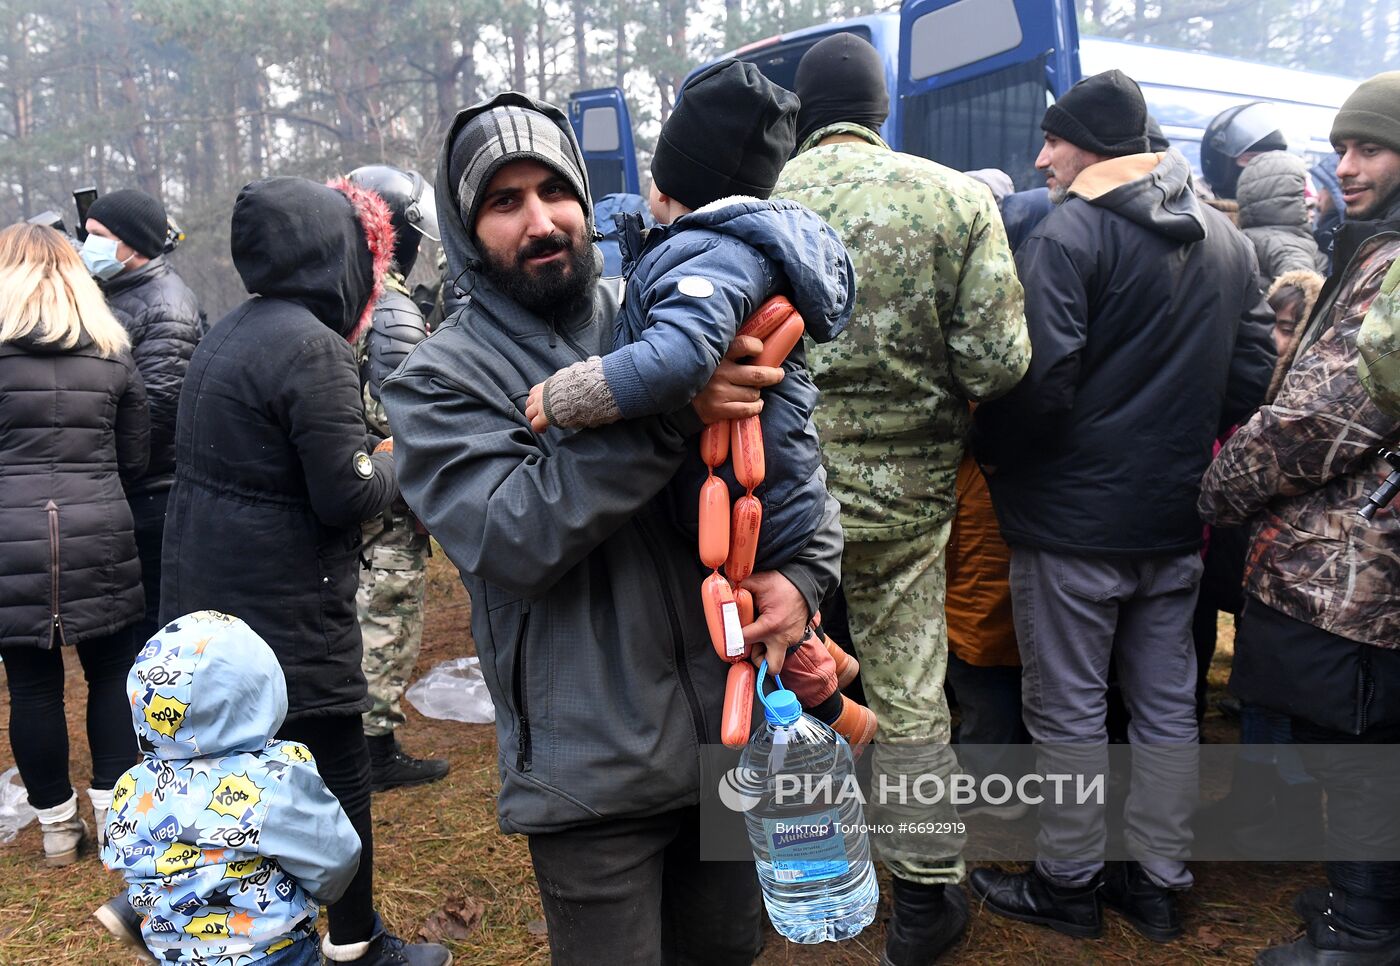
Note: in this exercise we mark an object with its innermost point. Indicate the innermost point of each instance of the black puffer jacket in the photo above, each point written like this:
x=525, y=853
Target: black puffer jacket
x=1274, y=215
x=162, y=317
x=273, y=476
x=73, y=428
x=1149, y=336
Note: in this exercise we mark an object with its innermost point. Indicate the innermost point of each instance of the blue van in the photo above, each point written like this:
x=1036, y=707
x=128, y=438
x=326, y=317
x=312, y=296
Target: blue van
x=970, y=81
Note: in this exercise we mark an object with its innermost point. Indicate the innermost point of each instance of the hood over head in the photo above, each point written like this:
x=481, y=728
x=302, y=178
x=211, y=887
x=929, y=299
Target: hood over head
x=205, y=686
x=1270, y=191
x=325, y=247
x=1152, y=190
x=805, y=249
x=459, y=237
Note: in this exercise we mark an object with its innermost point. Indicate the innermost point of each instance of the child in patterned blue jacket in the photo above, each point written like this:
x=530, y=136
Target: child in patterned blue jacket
x=229, y=840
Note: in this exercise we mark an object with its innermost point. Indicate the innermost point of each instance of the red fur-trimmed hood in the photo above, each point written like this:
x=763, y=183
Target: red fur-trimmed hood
x=377, y=221
x=325, y=247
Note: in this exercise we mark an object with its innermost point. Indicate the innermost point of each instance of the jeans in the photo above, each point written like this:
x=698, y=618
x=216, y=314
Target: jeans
x=633, y=892
x=338, y=744
x=39, y=730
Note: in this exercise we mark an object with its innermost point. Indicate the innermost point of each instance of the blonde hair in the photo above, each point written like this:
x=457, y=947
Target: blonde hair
x=46, y=293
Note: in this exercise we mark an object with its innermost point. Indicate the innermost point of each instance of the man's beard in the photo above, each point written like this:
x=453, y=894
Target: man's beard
x=1058, y=194
x=550, y=289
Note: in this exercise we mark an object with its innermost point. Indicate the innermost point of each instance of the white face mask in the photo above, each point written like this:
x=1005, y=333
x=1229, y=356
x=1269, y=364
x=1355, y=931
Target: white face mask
x=100, y=256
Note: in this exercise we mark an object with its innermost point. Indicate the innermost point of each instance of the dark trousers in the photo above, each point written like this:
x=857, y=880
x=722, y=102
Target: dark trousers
x=1362, y=820
x=39, y=730
x=342, y=757
x=148, y=514
x=990, y=727
x=633, y=892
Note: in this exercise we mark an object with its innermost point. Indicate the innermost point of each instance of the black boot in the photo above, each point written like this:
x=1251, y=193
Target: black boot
x=1325, y=945
x=1312, y=902
x=1030, y=897
x=1350, y=931
x=1151, y=908
x=390, y=768
x=925, y=922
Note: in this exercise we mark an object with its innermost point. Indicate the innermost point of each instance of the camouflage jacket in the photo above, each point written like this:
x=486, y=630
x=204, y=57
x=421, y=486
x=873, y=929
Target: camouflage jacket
x=1305, y=464
x=939, y=320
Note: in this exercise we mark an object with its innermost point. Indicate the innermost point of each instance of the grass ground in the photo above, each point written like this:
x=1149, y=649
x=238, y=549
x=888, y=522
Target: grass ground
x=439, y=858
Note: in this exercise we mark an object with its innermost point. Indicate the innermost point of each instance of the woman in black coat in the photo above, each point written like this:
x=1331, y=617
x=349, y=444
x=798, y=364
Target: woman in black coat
x=274, y=475
x=73, y=429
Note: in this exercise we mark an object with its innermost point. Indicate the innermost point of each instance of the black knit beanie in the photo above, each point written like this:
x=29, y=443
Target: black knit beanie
x=1104, y=114
x=1372, y=112
x=134, y=217
x=731, y=132
x=1156, y=140
x=842, y=78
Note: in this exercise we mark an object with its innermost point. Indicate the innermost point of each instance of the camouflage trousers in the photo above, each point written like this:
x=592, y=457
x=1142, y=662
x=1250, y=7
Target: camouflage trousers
x=389, y=604
x=895, y=591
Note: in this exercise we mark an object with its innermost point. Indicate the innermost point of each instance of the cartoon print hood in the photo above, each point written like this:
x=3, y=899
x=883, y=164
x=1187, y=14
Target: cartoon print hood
x=804, y=248
x=205, y=686
x=458, y=240
x=325, y=247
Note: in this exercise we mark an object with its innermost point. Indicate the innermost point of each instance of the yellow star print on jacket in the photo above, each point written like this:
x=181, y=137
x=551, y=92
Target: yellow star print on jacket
x=229, y=840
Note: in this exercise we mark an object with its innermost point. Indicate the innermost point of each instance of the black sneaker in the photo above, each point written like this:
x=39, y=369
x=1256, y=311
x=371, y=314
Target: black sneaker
x=1149, y=907
x=1030, y=897
x=124, y=922
x=390, y=767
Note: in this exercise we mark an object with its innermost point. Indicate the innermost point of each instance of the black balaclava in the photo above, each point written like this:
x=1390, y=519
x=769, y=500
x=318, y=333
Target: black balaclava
x=842, y=78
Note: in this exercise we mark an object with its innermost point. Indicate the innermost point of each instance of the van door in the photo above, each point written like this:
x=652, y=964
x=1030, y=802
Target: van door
x=603, y=127
x=975, y=77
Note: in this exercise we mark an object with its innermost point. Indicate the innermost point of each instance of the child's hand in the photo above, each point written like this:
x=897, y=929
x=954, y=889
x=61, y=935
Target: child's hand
x=534, y=409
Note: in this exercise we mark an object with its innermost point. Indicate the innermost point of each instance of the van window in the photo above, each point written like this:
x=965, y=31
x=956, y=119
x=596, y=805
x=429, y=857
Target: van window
x=605, y=176
x=991, y=121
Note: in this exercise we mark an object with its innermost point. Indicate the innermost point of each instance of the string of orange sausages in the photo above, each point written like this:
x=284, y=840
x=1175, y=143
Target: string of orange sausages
x=729, y=538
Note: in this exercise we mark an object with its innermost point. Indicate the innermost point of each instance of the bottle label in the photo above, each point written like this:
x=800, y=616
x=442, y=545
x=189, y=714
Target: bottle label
x=808, y=848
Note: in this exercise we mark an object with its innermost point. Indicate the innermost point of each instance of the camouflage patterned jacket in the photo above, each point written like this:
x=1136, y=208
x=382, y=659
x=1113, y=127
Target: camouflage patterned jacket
x=1306, y=463
x=939, y=320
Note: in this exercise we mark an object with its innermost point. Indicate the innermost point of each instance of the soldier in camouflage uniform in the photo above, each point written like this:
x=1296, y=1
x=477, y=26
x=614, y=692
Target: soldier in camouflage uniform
x=393, y=583
x=1319, y=638
x=938, y=323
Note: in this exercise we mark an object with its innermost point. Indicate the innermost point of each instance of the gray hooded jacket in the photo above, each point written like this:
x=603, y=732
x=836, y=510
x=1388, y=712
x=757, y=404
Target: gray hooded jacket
x=585, y=597
x=1274, y=215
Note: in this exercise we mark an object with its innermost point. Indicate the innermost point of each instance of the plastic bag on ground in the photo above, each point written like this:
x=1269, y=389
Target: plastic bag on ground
x=454, y=691
x=15, y=812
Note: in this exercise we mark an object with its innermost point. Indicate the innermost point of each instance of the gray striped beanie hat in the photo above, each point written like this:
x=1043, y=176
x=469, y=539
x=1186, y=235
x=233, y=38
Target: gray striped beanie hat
x=499, y=136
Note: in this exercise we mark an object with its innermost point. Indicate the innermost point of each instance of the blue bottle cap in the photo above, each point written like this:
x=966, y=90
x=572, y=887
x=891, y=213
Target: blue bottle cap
x=781, y=708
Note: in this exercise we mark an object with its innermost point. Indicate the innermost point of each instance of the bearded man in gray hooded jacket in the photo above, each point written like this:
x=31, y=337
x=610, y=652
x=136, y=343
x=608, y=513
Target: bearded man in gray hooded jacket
x=585, y=597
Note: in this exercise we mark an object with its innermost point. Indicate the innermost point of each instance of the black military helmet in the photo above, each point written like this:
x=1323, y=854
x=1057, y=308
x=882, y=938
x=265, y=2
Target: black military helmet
x=411, y=200
x=1235, y=131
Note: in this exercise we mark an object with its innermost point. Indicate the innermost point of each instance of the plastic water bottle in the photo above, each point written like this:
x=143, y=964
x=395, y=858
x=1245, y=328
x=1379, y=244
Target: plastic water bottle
x=812, y=851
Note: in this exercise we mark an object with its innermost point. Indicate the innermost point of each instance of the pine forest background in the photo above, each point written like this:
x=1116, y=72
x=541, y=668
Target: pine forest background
x=191, y=99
